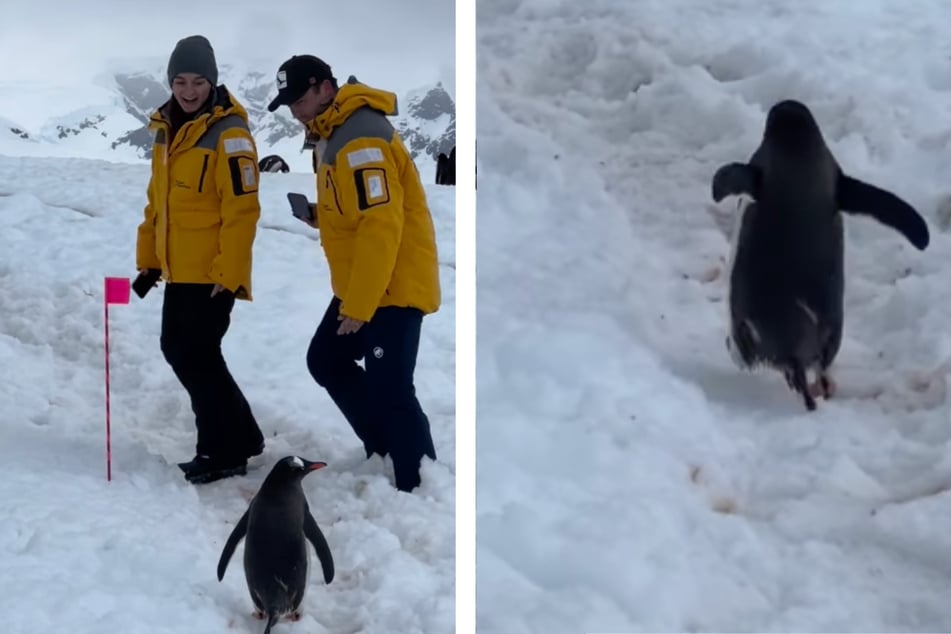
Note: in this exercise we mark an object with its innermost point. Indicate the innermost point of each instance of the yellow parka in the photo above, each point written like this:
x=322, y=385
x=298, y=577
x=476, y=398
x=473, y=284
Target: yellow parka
x=203, y=207
x=375, y=225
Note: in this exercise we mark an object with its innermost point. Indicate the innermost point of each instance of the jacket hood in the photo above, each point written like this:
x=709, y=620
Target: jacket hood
x=351, y=97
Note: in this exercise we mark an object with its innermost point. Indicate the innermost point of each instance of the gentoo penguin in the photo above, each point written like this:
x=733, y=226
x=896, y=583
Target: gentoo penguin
x=275, y=527
x=787, y=260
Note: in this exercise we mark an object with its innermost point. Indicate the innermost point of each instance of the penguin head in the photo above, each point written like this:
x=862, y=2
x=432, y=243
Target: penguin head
x=293, y=468
x=298, y=464
x=791, y=124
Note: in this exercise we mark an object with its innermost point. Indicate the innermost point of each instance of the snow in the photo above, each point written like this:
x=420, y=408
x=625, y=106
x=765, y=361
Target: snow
x=630, y=477
x=139, y=554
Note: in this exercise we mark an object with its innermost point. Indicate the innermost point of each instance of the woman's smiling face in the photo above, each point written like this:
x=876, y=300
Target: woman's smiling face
x=190, y=90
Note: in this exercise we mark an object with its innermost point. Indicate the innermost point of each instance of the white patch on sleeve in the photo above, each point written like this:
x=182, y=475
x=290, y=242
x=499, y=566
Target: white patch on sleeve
x=375, y=186
x=364, y=156
x=247, y=173
x=233, y=146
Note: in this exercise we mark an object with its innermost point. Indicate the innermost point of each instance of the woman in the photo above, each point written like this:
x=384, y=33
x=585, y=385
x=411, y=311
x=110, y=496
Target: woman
x=199, y=227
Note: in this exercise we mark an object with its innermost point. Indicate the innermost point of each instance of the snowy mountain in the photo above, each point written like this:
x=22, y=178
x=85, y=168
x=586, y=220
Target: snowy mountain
x=11, y=130
x=427, y=123
x=630, y=478
x=108, y=121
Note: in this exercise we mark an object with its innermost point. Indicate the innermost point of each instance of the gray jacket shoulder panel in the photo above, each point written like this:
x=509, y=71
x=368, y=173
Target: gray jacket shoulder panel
x=365, y=123
x=210, y=140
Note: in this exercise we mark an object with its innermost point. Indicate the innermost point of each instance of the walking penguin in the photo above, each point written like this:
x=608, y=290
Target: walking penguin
x=276, y=528
x=787, y=261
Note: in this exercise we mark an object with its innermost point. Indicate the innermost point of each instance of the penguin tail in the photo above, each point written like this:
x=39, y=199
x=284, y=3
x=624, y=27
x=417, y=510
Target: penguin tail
x=272, y=618
x=796, y=378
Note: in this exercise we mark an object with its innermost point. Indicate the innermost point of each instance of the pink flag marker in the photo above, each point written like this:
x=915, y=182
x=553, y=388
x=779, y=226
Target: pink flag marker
x=116, y=291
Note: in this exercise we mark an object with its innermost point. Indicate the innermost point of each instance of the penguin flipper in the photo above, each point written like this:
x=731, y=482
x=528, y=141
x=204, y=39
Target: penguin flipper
x=733, y=179
x=236, y=534
x=857, y=197
x=312, y=532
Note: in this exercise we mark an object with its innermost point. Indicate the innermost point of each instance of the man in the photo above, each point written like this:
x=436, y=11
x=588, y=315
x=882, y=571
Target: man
x=378, y=237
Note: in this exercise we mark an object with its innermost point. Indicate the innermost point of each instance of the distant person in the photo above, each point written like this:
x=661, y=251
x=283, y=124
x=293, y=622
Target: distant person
x=378, y=237
x=446, y=168
x=441, y=162
x=199, y=227
x=272, y=164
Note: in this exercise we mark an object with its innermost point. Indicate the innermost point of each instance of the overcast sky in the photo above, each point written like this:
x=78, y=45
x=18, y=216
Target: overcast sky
x=392, y=44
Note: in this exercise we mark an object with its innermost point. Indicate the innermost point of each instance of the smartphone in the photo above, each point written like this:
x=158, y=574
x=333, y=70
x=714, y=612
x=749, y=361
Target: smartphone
x=301, y=208
x=144, y=282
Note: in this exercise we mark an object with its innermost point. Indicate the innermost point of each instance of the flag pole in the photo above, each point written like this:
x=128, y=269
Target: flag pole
x=108, y=416
x=115, y=291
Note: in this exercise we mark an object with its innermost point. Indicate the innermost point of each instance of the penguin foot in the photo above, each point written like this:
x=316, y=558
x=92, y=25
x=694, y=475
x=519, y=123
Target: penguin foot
x=294, y=616
x=824, y=387
x=828, y=386
x=259, y=615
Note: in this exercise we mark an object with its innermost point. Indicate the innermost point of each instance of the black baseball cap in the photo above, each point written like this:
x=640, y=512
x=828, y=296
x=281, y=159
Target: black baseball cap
x=296, y=76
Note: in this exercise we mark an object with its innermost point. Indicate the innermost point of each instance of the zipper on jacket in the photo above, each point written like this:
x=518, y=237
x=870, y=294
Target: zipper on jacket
x=333, y=188
x=204, y=168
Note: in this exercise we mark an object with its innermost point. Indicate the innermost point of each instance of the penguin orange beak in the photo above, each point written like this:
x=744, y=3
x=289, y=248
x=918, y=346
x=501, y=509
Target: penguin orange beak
x=313, y=466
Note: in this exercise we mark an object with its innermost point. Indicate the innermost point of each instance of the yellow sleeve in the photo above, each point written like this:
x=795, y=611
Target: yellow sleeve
x=236, y=178
x=368, y=182
x=145, y=256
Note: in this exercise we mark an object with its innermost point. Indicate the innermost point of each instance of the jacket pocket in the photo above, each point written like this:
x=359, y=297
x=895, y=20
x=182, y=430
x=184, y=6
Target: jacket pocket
x=196, y=219
x=193, y=244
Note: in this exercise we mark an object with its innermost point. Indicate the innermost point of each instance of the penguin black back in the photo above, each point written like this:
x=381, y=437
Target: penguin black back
x=276, y=528
x=787, y=269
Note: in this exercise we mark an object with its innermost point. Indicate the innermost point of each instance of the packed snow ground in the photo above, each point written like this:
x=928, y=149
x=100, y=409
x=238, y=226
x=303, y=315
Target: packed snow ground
x=630, y=477
x=139, y=554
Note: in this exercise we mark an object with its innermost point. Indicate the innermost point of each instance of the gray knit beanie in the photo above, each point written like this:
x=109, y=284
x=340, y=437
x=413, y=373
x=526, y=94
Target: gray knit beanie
x=193, y=54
